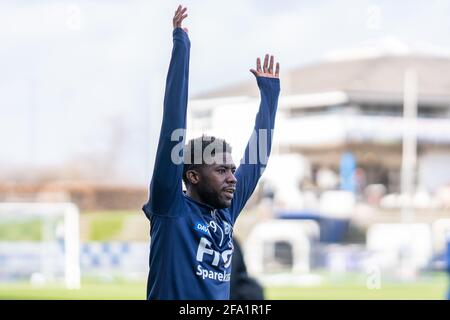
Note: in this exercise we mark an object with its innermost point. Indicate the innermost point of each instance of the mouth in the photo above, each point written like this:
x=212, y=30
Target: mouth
x=229, y=192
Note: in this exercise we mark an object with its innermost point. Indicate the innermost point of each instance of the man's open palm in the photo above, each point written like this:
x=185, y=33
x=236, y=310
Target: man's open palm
x=267, y=70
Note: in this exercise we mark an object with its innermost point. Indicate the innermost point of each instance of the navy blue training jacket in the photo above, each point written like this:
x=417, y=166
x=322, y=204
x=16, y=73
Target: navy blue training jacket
x=191, y=243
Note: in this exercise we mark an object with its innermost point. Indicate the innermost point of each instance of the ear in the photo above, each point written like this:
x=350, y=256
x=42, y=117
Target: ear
x=193, y=176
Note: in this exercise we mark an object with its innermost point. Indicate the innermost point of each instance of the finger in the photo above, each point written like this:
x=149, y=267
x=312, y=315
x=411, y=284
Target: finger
x=183, y=17
x=174, y=20
x=183, y=10
x=266, y=63
x=176, y=12
x=179, y=21
x=186, y=30
x=179, y=13
x=255, y=73
x=277, y=70
x=271, y=65
x=258, y=64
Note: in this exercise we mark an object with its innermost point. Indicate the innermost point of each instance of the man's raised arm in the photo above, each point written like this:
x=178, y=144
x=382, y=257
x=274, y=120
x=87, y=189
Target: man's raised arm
x=167, y=173
x=260, y=144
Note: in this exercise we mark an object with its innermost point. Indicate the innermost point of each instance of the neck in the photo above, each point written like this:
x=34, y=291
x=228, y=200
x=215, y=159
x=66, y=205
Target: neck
x=194, y=195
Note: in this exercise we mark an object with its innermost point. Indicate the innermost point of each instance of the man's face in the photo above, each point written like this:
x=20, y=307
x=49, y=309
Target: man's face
x=217, y=182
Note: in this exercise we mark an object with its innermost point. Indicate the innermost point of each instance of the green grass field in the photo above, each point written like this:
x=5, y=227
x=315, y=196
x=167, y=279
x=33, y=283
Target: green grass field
x=430, y=288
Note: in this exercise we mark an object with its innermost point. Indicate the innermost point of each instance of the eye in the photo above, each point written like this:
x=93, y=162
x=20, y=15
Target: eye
x=221, y=170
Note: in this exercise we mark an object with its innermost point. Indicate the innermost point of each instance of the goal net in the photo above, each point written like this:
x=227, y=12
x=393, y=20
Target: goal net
x=39, y=242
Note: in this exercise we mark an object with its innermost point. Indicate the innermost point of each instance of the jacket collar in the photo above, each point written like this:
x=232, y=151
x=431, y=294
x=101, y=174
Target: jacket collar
x=205, y=208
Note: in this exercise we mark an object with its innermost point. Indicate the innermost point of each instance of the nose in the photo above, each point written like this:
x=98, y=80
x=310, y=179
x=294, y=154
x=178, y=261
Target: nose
x=231, y=179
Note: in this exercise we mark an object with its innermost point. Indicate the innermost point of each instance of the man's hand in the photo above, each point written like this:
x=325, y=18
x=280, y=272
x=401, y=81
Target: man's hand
x=179, y=16
x=267, y=70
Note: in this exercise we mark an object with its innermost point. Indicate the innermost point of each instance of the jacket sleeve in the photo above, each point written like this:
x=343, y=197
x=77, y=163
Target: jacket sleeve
x=259, y=146
x=166, y=183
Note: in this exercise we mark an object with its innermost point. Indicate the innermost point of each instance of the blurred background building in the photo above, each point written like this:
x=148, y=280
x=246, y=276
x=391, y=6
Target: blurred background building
x=340, y=126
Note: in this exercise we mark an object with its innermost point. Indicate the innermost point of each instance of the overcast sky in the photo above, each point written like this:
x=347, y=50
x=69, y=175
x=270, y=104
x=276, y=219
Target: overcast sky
x=83, y=80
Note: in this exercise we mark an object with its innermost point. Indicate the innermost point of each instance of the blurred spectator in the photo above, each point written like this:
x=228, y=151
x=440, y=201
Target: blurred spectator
x=361, y=182
x=242, y=286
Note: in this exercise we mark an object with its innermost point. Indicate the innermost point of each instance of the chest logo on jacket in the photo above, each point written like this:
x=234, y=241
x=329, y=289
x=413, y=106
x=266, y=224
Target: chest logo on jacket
x=224, y=258
x=201, y=227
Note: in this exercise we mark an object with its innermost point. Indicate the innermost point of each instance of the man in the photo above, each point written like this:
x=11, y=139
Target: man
x=191, y=233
